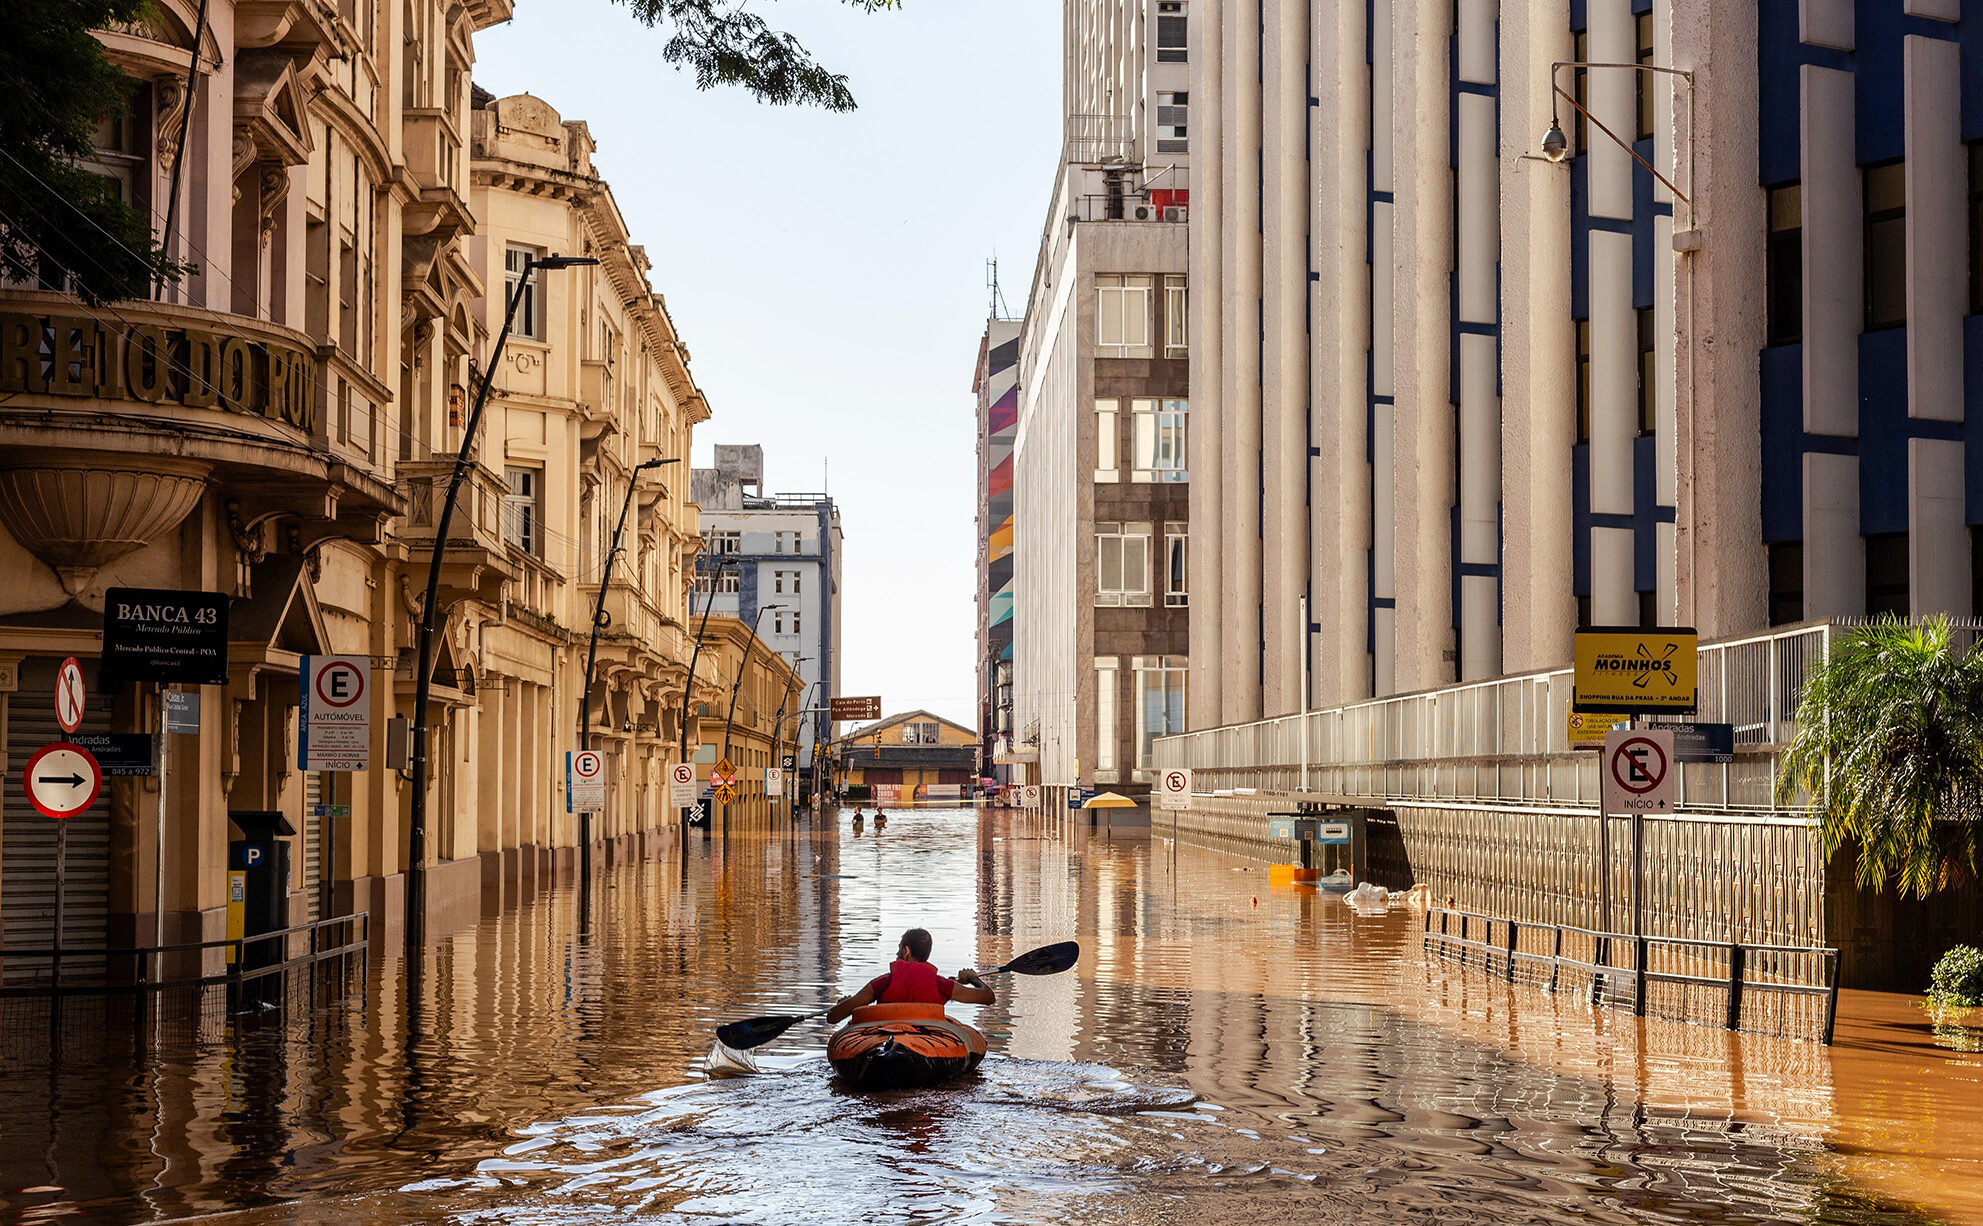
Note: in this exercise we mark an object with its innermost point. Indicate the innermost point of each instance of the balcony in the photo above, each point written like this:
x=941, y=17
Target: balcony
x=476, y=562
x=140, y=411
x=1101, y=140
x=598, y=410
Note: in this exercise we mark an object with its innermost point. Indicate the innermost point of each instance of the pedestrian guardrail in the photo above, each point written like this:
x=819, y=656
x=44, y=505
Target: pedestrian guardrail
x=1789, y=990
x=133, y=970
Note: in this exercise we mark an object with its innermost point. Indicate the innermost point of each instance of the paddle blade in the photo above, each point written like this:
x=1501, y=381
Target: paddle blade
x=755, y=1032
x=1046, y=960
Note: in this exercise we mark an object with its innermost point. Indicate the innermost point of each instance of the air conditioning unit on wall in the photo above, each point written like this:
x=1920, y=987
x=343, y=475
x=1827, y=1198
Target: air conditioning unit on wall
x=1175, y=212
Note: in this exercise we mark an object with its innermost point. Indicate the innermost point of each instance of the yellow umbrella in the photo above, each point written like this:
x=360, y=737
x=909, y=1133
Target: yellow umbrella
x=1109, y=800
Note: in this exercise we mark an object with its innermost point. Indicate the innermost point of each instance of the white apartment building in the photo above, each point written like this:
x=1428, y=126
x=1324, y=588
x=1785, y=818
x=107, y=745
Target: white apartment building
x=1100, y=485
x=1465, y=387
x=774, y=560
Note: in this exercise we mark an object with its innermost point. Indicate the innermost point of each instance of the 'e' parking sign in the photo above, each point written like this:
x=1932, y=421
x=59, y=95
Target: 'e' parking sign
x=334, y=715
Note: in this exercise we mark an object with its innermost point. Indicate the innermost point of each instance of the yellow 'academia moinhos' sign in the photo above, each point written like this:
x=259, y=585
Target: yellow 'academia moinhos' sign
x=1625, y=671
x=75, y=355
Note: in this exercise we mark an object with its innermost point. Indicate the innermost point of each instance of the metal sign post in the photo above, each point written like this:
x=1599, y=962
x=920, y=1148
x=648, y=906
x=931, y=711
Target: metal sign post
x=158, y=854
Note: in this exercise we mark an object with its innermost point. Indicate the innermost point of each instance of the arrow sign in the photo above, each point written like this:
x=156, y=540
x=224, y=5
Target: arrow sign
x=62, y=780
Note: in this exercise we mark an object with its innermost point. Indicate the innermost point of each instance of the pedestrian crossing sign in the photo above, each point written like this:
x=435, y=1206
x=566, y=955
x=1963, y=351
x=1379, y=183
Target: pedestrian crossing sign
x=725, y=794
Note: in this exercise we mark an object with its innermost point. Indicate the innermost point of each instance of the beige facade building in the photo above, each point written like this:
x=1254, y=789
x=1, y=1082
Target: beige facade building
x=278, y=428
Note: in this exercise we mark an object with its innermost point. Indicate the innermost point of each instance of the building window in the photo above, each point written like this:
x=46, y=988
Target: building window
x=1105, y=427
x=1648, y=610
x=796, y=617
x=707, y=584
x=1784, y=260
x=778, y=583
x=523, y=510
x=1158, y=439
x=1176, y=537
x=1159, y=704
x=1122, y=564
x=1786, y=582
x=1976, y=233
x=122, y=151
x=1648, y=374
x=1886, y=245
x=920, y=732
x=785, y=542
x=1173, y=123
x=1583, y=381
x=1177, y=317
x=722, y=541
x=529, y=320
x=778, y=621
x=1122, y=326
x=1886, y=574
x=1107, y=723
x=1646, y=79
x=1172, y=33
x=1580, y=52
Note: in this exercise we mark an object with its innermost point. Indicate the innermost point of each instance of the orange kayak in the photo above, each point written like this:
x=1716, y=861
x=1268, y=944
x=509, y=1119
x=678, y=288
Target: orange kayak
x=894, y=1047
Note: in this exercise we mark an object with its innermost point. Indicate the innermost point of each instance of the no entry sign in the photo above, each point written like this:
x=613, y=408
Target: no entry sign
x=69, y=696
x=334, y=716
x=62, y=780
x=1639, y=769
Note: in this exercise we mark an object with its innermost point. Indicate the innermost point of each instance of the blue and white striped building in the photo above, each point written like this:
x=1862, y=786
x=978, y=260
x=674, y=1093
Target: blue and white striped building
x=1463, y=395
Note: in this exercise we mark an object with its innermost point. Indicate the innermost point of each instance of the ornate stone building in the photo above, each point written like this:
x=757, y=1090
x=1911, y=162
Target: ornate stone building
x=278, y=427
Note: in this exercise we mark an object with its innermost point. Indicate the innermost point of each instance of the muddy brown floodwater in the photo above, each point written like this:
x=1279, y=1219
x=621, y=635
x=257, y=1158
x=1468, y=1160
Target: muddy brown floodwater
x=1224, y=1052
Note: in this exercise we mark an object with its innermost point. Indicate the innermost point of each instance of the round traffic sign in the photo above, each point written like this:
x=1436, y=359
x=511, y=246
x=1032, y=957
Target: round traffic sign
x=340, y=684
x=62, y=779
x=587, y=764
x=69, y=692
x=1639, y=765
x=1174, y=781
x=682, y=772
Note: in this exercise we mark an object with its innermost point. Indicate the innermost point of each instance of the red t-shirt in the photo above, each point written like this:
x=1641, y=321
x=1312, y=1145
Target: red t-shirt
x=914, y=983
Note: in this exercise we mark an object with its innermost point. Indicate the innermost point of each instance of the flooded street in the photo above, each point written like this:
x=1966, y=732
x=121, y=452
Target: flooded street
x=1224, y=1052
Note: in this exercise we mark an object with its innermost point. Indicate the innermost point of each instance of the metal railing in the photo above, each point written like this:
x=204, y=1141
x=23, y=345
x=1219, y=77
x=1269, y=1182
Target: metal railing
x=1507, y=740
x=139, y=960
x=1757, y=988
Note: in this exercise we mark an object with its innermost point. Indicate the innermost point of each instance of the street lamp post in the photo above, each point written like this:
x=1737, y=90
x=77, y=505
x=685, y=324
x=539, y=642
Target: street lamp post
x=416, y=825
x=695, y=654
x=592, y=654
x=737, y=687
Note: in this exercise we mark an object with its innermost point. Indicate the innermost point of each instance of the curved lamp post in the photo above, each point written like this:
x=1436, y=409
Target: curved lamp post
x=737, y=687
x=592, y=653
x=695, y=654
x=416, y=824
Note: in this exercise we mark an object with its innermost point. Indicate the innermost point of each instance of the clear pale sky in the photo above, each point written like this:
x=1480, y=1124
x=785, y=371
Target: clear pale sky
x=827, y=271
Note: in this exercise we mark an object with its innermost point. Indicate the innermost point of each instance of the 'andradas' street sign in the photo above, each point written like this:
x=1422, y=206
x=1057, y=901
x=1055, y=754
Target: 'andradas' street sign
x=159, y=635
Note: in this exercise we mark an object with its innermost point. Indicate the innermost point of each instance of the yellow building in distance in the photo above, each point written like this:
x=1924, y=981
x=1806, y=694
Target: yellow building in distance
x=912, y=758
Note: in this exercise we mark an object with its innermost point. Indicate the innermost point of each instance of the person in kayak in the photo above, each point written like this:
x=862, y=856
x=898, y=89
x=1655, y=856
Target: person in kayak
x=912, y=980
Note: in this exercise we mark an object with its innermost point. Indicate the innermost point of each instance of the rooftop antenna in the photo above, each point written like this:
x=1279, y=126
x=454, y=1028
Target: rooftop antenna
x=998, y=308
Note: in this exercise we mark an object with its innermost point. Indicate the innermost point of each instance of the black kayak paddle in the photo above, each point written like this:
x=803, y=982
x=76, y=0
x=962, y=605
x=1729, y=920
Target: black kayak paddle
x=757, y=1031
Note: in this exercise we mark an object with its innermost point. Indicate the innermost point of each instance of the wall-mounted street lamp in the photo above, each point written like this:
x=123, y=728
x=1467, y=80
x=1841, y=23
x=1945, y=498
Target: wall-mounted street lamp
x=416, y=825
x=1556, y=146
x=592, y=653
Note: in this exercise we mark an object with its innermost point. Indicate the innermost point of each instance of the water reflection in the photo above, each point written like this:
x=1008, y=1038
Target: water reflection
x=1224, y=1052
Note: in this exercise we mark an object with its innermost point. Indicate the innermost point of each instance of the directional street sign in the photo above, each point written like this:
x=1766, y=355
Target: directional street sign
x=69, y=698
x=182, y=710
x=62, y=780
x=840, y=709
x=334, y=714
x=681, y=784
x=585, y=781
x=1175, y=787
x=1638, y=771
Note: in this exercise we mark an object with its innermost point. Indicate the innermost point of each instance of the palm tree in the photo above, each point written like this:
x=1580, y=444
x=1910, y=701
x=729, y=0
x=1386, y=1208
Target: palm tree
x=1889, y=746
